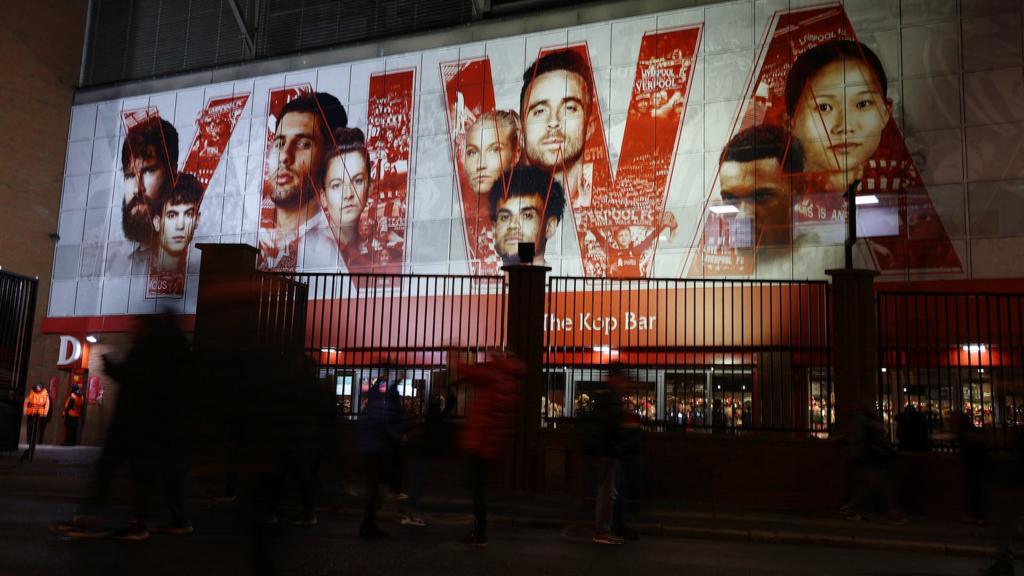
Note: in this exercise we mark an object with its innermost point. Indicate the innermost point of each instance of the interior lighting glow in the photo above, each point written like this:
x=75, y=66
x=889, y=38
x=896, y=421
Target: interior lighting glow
x=866, y=199
x=724, y=209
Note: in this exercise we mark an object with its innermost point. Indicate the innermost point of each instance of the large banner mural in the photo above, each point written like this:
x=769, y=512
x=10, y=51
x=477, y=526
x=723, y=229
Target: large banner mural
x=671, y=145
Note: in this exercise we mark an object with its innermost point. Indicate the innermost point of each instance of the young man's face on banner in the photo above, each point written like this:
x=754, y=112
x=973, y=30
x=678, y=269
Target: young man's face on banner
x=762, y=192
x=555, y=119
x=490, y=152
x=840, y=116
x=175, y=225
x=297, y=151
x=519, y=219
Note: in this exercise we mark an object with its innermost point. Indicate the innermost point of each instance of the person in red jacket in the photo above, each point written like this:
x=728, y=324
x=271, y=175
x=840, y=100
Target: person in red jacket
x=37, y=409
x=72, y=415
x=494, y=387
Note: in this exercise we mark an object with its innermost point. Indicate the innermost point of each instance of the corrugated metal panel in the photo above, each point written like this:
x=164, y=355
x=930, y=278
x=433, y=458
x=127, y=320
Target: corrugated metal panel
x=135, y=39
x=172, y=36
x=204, y=24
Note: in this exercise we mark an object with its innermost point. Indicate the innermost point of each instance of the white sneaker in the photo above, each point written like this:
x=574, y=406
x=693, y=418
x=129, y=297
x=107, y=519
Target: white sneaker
x=409, y=520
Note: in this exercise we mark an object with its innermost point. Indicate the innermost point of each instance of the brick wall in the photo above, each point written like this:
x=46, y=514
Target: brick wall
x=40, y=55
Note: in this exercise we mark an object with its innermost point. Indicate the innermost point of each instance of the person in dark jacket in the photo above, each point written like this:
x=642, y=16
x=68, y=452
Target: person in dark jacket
x=604, y=441
x=379, y=432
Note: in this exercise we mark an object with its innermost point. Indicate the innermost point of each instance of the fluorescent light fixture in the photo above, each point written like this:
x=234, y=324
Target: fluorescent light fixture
x=973, y=348
x=328, y=350
x=603, y=349
x=725, y=209
x=884, y=370
x=866, y=199
x=91, y=339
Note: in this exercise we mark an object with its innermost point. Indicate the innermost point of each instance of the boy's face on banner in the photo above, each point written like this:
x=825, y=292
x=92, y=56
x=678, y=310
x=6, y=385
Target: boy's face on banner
x=840, y=116
x=297, y=151
x=555, y=119
x=490, y=152
x=175, y=226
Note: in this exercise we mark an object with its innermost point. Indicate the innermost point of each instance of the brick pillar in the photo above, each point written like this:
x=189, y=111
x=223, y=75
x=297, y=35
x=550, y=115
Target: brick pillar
x=228, y=298
x=525, y=337
x=854, y=342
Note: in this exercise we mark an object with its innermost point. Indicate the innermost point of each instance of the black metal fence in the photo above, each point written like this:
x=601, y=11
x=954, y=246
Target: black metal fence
x=706, y=355
x=17, y=314
x=719, y=356
x=406, y=328
x=955, y=359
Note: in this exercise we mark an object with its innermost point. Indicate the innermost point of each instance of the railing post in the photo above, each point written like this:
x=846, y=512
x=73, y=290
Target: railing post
x=854, y=342
x=525, y=337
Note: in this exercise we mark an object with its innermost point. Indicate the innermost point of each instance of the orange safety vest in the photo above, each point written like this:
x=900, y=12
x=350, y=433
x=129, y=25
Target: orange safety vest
x=73, y=406
x=37, y=403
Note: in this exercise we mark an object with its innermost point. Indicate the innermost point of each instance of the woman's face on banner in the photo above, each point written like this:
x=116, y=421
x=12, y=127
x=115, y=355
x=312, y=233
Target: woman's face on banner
x=345, y=188
x=489, y=153
x=840, y=116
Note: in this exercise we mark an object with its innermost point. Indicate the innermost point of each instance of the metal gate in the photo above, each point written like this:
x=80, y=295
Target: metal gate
x=722, y=356
x=17, y=314
x=956, y=358
x=405, y=326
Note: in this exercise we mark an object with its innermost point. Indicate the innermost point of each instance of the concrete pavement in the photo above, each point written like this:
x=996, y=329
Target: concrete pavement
x=45, y=490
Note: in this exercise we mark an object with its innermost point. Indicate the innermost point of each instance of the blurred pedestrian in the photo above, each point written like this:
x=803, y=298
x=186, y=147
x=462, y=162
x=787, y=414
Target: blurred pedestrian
x=601, y=429
x=426, y=444
x=1008, y=509
x=301, y=415
x=37, y=410
x=717, y=416
x=149, y=431
x=629, y=449
x=379, y=431
x=912, y=430
x=977, y=466
x=871, y=470
x=490, y=419
x=72, y=414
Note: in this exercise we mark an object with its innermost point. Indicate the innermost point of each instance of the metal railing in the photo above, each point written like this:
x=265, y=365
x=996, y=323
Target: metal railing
x=957, y=359
x=706, y=355
x=404, y=327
